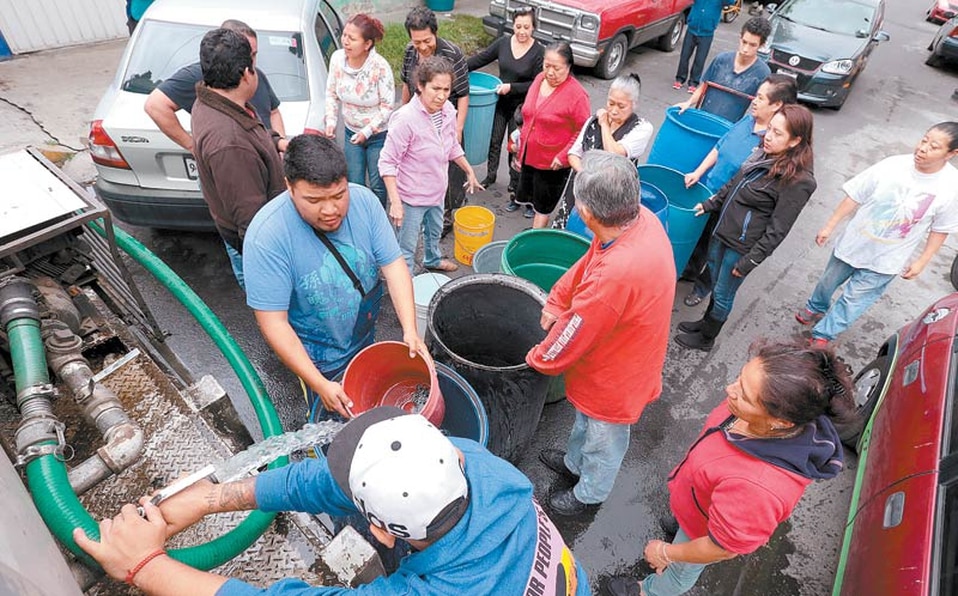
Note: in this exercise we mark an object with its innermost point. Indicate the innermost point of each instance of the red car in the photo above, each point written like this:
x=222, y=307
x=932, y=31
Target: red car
x=941, y=11
x=902, y=531
x=600, y=32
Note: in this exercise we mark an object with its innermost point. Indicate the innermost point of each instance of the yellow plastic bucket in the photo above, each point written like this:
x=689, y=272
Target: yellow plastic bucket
x=473, y=226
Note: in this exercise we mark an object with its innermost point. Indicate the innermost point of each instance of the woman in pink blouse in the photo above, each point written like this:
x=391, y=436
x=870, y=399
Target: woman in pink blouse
x=360, y=83
x=414, y=164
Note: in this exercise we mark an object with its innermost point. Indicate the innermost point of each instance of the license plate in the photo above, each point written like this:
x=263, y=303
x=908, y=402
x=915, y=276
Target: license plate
x=788, y=73
x=190, y=164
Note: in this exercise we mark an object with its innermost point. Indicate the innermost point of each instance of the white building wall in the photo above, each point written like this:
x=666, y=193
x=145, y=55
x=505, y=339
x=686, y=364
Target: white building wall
x=31, y=25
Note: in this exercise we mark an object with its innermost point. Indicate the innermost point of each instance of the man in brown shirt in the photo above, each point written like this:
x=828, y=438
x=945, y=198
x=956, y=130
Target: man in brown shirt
x=236, y=157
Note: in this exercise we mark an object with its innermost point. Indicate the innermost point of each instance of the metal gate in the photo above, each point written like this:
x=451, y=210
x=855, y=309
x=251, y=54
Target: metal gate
x=31, y=25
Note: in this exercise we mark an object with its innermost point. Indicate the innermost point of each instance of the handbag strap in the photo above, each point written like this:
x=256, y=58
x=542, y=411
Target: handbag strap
x=342, y=261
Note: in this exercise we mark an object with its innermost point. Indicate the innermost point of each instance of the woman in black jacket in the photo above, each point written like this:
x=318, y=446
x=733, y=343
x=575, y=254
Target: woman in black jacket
x=756, y=210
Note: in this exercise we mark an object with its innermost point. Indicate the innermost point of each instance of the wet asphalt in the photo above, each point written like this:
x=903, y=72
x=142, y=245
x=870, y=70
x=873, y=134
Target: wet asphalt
x=892, y=104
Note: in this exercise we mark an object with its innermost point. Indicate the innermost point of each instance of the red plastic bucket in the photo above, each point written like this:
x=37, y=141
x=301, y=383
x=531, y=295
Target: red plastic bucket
x=383, y=374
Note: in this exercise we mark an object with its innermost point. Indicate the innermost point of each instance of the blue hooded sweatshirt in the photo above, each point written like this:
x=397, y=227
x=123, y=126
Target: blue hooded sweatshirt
x=492, y=550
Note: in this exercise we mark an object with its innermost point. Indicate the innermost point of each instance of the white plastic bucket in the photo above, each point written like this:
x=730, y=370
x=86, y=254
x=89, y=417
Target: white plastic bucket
x=424, y=286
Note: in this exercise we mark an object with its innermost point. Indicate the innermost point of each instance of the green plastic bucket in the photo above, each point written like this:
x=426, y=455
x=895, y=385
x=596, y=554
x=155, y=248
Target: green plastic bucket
x=542, y=256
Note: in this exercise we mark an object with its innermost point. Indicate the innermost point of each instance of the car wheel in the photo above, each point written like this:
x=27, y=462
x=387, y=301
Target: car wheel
x=613, y=58
x=670, y=40
x=954, y=273
x=868, y=386
x=933, y=60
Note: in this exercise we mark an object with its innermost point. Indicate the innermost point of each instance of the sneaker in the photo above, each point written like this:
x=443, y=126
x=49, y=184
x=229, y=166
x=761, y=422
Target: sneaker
x=818, y=342
x=554, y=459
x=807, y=317
x=693, y=299
x=530, y=212
x=623, y=586
x=511, y=206
x=676, y=85
x=564, y=503
x=692, y=89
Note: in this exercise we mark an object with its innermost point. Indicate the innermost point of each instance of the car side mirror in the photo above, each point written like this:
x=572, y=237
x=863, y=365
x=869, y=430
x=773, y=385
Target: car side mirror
x=771, y=8
x=881, y=36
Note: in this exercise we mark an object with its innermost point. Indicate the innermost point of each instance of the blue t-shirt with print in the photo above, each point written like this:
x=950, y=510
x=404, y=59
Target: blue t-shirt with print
x=733, y=149
x=722, y=72
x=288, y=268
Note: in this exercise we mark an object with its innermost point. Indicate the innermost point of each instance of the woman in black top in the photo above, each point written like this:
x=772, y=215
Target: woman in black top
x=520, y=60
x=756, y=211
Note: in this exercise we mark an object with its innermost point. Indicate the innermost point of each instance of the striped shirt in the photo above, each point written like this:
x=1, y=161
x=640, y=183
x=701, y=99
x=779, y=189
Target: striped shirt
x=449, y=51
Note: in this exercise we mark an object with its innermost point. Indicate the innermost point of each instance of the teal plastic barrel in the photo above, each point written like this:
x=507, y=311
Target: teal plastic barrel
x=652, y=198
x=685, y=139
x=488, y=259
x=440, y=5
x=482, y=111
x=684, y=227
x=542, y=256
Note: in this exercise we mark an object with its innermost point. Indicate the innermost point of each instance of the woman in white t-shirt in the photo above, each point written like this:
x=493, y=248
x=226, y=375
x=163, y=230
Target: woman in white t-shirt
x=893, y=204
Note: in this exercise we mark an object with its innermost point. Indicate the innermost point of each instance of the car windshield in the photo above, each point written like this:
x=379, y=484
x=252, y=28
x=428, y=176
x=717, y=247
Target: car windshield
x=837, y=16
x=162, y=48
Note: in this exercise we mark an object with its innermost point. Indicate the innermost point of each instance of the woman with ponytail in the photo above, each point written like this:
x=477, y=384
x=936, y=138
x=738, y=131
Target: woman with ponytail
x=774, y=434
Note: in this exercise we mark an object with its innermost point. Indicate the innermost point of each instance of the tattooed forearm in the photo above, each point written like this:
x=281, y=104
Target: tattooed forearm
x=236, y=496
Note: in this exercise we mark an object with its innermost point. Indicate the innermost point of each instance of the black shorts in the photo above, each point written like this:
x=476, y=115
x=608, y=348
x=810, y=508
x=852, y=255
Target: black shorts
x=541, y=188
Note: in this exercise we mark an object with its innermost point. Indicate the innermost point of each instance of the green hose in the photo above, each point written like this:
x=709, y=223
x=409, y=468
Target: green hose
x=26, y=349
x=60, y=509
x=47, y=477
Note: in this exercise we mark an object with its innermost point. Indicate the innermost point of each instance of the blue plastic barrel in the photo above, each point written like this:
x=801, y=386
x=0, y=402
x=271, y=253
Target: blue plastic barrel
x=685, y=139
x=465, y=415
x=440, y=5
x=482, y=111
x=652, y=197
x=684, y=227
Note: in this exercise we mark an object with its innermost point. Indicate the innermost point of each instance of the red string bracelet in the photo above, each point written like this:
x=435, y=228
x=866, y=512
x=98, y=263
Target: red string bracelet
x=142, y=564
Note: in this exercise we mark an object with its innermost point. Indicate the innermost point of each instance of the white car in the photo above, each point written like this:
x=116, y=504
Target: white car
x=144, y=177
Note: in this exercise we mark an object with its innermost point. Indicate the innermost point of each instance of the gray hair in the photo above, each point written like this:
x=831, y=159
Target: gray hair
x=608, y=186
x=629, y=84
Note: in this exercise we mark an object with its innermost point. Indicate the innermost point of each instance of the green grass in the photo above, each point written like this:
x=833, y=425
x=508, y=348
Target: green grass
x=463, y=30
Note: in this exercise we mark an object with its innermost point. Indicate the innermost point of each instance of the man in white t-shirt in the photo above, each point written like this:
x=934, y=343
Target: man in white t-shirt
x=892, y=204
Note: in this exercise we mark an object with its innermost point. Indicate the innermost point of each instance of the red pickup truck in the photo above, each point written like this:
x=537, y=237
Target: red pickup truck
x=600, y=32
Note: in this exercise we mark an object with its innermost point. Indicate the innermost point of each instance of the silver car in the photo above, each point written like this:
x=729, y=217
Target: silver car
x=144, y=177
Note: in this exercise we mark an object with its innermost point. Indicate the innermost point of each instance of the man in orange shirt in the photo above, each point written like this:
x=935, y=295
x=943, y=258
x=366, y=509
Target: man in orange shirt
x=608, y=323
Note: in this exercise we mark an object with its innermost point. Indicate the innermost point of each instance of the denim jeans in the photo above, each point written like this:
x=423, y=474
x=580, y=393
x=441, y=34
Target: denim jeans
x=861, y=289
x=236, y=262
x=427, y=219
x=678, y=578
x=722, y=260
x=364, y=159
x=698, y=45
x=594, y=452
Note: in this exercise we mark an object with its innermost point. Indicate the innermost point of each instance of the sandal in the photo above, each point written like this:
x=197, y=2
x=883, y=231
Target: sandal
x=444, y=265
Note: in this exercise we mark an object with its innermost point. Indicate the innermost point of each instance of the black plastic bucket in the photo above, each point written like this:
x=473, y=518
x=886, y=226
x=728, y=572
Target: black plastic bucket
x=482, y=326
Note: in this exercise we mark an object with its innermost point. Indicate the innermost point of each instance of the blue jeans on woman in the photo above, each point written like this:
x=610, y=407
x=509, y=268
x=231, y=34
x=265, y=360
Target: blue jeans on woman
x=678, y=578
x=429, y=220
x=363, y=160
x=594, y=452
x=722, y=260
x=862, y=287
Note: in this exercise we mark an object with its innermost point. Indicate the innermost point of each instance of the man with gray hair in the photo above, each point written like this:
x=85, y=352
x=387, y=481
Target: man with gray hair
x=608, y=322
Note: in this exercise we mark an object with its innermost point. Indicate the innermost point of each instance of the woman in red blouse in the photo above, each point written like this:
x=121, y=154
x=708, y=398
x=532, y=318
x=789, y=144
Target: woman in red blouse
x=554, y=110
